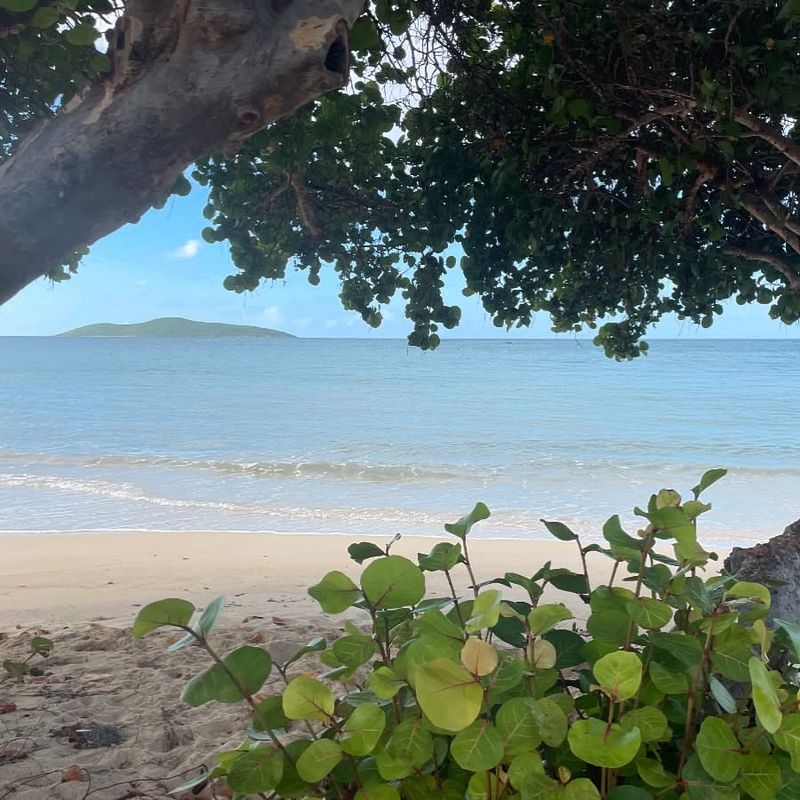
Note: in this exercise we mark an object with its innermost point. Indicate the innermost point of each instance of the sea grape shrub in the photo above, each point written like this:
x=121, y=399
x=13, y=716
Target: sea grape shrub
x=38, y=646
x=668, y=693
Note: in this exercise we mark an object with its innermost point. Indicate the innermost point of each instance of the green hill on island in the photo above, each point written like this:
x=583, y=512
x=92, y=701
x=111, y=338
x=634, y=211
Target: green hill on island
x=176, y=326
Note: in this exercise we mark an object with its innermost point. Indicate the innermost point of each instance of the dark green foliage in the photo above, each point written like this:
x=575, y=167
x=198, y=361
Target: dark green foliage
x=671, y=695
x=598, y=162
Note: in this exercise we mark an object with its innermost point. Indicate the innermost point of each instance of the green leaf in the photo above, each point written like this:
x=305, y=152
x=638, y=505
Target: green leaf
x=247, y=666
x=650, y=613
x=650, y=721
x=580, y=789
x=596, y=743
x=477, y=747
x=392, y=582
x=259, y=770
x=448, y=694
x=551, y=720
x=560, y=531
x=485, y=611
x=411, y=742
x=721, y=694
x=765, y=697
x=483, y=786
x=709, y=478
x=667, y=680
x=652, y=772
x=362, y=551
x=384, y=683
x=181, y=187
x=761, y=776
x=172, y=611
x=544, y=618
x=269, y=716
x=378, y=791
x=701, y=786
x=19, y=6
x=619, y=674
x=569, y=646
x=354, y=650
x=45, y=17
x=318, y=760
x=791, y=631
x=335, y=592
x=16, y=669
x=307, y=698
x=479, y=657
x=363, y=729
x=315, y=645
x=82, y=35
x=517, y=726
x=568, y=581
x=364, y=35
x=41, y=646
x=788, y=738
x=731, y=653
x=443, y=556
x=462, y=527
x=629, y=793
x=718, y=750
x=209, y=616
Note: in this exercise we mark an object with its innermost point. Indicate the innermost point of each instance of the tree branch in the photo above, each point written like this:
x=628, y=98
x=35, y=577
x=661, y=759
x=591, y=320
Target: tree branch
x=190, y=79
x=785, y=269
x=780, y=142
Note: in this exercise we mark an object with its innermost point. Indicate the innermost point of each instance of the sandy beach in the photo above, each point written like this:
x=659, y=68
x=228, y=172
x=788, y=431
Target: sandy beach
x=83, y=591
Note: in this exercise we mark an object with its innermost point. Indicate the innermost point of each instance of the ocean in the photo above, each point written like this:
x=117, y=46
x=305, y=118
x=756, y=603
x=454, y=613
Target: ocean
x=371, y=437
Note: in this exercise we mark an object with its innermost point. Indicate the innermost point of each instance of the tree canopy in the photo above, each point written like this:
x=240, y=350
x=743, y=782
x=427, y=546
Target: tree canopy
x=605, y=163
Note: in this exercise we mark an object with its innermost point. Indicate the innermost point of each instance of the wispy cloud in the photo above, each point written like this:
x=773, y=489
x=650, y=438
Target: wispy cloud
x=273, y=315
x=187, y=250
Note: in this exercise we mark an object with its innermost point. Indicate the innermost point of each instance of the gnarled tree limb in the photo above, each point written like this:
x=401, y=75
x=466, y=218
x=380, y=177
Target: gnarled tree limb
x=785, y=269
x=190, y=78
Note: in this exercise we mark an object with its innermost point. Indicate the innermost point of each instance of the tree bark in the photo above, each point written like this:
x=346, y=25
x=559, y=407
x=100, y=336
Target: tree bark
x=190, y=77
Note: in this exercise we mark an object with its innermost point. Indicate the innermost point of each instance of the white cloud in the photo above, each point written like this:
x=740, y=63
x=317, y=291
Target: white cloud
x=273, y=315
x=331, y=323
x=188, y=250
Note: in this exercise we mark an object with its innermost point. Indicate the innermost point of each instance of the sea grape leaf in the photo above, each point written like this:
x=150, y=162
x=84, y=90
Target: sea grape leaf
x=448, y=694
x=560, y=531
x=619, y=674
x=318, y=759
x=594, y=742
x=363, y=729
x=478, y=747
x=250, y=666
x=479, y=657
x=718, y=749
x=517, y=726
x=544, y=618
x=463, y=526
x=361, y=551
x=392, y=582
x=258, y=770
x=335, y=592
x=765, y=696
x=209, y=616
x=307, y=698
x=485, y=611
x=443, y=556
x=172, y=611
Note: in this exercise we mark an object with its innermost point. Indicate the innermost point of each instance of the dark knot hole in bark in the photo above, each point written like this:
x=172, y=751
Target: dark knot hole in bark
x=338, y=57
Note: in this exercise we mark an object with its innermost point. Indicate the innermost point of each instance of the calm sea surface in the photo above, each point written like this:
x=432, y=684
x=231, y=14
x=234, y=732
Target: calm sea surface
x=371, y=437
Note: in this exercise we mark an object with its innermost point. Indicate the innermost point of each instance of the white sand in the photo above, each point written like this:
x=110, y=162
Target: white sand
x=84, y=591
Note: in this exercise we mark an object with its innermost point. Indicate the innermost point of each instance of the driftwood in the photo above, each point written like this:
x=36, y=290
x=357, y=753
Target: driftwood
x=776, y=564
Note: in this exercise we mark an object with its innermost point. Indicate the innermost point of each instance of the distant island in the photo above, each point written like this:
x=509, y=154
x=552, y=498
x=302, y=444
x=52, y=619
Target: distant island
x=176, y=326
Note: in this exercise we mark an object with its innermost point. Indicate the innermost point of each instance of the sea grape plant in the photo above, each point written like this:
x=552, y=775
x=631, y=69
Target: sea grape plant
x=493, y=692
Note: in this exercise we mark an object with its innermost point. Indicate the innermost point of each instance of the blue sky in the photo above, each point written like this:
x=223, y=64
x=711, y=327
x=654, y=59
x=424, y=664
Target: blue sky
x=160, y=267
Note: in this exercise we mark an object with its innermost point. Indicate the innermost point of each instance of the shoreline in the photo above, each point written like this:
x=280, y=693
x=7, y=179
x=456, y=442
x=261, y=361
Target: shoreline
x=53, y=579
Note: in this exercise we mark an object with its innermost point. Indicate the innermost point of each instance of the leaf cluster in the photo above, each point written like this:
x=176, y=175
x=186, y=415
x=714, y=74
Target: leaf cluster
x=669, y=693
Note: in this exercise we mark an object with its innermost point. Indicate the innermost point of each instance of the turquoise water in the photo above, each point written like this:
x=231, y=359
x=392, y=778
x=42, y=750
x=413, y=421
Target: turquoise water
x=371, y=437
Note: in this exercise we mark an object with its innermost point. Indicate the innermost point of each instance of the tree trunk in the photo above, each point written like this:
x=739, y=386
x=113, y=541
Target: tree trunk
x=190, y=78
